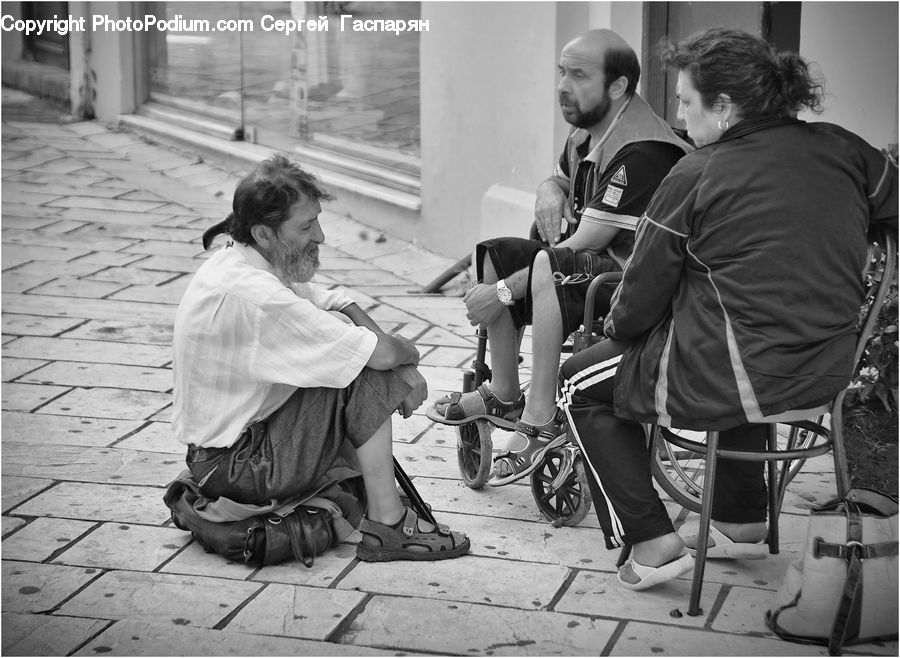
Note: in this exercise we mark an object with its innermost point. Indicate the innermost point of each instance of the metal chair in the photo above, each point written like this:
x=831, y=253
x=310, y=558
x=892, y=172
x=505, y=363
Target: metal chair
x=808, y=438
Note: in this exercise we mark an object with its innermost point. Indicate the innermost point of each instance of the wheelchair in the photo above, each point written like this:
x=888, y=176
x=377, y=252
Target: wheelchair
x=559, y=484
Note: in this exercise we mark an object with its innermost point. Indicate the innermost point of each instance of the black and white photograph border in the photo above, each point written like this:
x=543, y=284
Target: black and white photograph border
x=126, y=127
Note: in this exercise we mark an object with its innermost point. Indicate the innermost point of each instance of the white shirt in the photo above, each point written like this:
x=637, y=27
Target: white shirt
x=244, y=342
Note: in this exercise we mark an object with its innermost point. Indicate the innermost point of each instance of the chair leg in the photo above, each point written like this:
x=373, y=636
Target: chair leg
x=709, y=481
x=841, y=472
x=774, y=490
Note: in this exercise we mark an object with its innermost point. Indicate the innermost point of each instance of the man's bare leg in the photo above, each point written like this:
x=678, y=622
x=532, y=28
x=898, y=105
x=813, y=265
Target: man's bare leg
x=376, y=461
x=503, y=340
x=547, y=339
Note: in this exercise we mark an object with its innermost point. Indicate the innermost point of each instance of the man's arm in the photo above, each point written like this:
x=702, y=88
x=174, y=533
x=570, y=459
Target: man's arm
x=390, y=351
x=622, y=193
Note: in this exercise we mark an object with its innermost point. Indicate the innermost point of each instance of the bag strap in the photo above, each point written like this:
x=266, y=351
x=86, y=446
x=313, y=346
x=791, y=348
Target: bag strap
x=822, y=548
x=414, y=497
x=848, y=611
x=880, y=502
x=298, y=535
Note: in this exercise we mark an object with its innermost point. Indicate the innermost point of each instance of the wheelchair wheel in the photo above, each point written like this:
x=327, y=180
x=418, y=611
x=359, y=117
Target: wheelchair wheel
x=679, y=472
x=474, y=452
x=560, y=487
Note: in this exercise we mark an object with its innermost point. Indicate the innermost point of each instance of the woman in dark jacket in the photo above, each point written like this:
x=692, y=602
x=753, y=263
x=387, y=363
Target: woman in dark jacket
x=740, y=300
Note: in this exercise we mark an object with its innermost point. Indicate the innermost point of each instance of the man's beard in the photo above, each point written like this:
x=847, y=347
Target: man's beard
x=295, y=265
x=593, y=116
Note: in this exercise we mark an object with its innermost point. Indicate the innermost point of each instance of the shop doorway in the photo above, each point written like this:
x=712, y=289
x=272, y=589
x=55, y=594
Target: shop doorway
x=777, y=22
x=48, y=47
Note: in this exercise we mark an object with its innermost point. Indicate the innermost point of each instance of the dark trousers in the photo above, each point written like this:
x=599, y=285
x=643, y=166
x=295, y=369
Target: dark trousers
x=618, y=462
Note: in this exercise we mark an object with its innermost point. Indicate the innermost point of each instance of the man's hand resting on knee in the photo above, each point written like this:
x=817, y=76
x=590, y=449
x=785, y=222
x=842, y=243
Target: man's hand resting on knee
x=412, y=376
x=482, y=305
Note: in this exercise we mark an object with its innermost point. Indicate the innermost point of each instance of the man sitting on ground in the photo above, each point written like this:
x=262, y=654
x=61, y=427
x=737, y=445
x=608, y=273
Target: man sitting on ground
x=274, y=373
x=613, y=161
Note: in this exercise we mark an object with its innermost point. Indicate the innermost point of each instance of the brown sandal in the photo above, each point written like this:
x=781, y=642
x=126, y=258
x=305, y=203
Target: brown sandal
x=382, y=543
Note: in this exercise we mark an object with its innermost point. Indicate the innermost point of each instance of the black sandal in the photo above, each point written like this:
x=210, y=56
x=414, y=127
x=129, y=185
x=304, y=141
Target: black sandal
x=382, y=543
x=513, y=465
x=454, y=414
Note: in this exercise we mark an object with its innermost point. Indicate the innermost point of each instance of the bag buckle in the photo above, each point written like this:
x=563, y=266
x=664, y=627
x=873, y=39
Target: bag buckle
x=854, y=546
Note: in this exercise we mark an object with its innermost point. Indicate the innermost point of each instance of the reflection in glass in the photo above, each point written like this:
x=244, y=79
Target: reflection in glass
x=356, y=92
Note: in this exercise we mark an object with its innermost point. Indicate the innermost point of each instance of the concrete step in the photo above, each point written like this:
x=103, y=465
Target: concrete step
x=242, y=155
x=177, y=117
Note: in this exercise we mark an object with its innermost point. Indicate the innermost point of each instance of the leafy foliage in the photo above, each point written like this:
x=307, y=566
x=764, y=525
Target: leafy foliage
x=876, y=376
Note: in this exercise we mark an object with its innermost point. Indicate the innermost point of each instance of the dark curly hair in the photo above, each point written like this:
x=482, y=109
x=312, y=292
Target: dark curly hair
x=265, y=195
x=760, y=81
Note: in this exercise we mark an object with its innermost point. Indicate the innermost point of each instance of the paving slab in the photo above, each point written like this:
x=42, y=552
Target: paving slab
x=158, y=597
x=125, y=331
x=43, y=537
x=509, y=584
x=578, y=547
x=108, y=403
x=16, y=281
x=326, y=569
x=9, y=524
x=639, y=639
x=68, y=430
x=15, y=368
x=154, y=437
x=599, y=593
x=98, y=502
x=28, y=397
x=124, y=546
x=192, y=559
x=143, y=638
x=296, y=611
x=92, y=351
x=33, y=325
x=35, y=587
x=46, y=635
x=18, y=489
x=85, y=309
x=445, y=627
x=70, y=287
x=90, y=464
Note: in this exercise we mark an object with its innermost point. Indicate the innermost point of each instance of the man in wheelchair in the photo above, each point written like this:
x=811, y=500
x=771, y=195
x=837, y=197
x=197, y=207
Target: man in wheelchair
x=739, y=304
x=586, y=213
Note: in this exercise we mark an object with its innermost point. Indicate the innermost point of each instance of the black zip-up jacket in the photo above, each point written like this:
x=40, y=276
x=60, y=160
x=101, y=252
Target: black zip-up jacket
x=744, y=286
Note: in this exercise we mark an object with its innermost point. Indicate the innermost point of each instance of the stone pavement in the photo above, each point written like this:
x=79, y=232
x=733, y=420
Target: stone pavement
x=101, y=231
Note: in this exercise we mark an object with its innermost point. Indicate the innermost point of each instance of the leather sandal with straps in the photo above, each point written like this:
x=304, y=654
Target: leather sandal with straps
x=384, y=543
x=513, y=464
x=481, y=403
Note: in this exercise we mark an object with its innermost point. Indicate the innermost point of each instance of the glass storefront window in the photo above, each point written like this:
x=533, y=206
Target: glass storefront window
x=355, y=93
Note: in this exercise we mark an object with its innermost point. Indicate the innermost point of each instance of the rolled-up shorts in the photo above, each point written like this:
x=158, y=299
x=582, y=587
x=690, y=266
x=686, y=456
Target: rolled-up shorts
x=572, y=272
x=288, y=452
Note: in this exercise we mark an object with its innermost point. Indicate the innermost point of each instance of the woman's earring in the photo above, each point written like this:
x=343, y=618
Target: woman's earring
x=719, y=124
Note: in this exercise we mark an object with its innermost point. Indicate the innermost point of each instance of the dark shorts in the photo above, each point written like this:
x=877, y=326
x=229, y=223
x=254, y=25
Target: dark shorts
x=573, y=271
x=288, y=452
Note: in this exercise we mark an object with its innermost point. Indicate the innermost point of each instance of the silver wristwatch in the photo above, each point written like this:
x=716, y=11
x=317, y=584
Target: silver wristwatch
x=504, y=294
